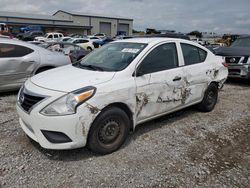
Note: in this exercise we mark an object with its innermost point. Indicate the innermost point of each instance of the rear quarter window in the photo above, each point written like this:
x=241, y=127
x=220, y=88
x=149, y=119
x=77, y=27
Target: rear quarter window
x=11, y=50
x=192, y=54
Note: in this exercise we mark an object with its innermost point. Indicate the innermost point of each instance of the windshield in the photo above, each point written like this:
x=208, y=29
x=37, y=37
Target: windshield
x=113, y=57
x=242, y=42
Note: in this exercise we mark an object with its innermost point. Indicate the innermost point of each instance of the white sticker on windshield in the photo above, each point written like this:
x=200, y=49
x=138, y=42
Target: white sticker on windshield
x=131, y=50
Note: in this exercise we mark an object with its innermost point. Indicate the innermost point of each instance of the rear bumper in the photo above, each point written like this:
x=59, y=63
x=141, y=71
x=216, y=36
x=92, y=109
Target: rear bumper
x=239, y=71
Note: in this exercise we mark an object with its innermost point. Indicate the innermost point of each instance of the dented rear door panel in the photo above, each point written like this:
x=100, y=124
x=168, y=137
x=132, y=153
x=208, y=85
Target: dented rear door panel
x=158, y=93
x=15, y=70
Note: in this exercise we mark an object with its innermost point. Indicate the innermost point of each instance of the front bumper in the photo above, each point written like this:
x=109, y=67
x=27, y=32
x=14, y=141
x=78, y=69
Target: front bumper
x=33, y=124
x=239, y=71
x=55, y=132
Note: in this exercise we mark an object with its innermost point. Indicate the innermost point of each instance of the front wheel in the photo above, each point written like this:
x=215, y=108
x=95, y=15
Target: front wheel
x=109, y=131
x=210, y=99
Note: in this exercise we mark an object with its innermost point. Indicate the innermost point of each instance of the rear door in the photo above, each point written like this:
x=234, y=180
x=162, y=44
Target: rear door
x=196, y=70
x=17, y=63
x=160, y=87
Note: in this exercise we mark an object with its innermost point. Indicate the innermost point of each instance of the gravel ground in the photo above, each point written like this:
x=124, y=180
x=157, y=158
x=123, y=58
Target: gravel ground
x=184, y=149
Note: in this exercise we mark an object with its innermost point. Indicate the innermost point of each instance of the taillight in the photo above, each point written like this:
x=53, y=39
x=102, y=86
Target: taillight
x=71, y=58
x=225, y=64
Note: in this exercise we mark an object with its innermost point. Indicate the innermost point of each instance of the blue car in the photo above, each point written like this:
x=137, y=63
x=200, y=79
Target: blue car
x=31, y=28
x=102, y=42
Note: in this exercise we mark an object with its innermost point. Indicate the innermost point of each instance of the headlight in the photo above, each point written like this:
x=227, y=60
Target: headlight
x=68, y=103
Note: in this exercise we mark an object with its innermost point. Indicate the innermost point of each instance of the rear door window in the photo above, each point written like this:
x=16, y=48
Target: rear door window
x=11, y=50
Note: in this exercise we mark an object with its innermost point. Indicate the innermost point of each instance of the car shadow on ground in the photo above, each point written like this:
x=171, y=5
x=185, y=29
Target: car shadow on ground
x=84, y=153
x=9, y=93
x=238, y=82
x=158, y=123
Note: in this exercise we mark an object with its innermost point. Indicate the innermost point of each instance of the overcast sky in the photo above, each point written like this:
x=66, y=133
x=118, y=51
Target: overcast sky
x=220, y=16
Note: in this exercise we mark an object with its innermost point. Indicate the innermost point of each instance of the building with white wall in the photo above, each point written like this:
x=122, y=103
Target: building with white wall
x=70, y=22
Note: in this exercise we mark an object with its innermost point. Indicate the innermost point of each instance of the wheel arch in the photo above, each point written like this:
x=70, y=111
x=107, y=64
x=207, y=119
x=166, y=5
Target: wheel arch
x=126, y=109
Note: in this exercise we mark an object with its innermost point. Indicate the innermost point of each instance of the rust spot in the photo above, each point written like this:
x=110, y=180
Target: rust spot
x=160, y=100
x=216, y=73
x=185, y=93
x=92, y=109
x=141, y=101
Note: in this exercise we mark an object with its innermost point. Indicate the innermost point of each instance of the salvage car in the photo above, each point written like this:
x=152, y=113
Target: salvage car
x=97, y=101
x=49, y=37
x=20, y=60
x=85, y=43
x=237, y=56
x=30, y=36
x=74, y=51
x=101, y=42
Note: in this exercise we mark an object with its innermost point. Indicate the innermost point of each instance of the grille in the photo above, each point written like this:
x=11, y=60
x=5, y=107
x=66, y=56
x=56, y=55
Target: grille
x=232, y=59
x=234, y=71
x=27, y=101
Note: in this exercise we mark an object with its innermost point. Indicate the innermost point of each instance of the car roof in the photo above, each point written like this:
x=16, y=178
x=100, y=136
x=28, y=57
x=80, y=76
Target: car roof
x=54, y=33
x=149, y=40
x=23, y=43
x=80, y=38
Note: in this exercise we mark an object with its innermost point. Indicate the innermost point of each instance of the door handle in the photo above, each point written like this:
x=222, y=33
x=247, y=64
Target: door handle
x=177, y=78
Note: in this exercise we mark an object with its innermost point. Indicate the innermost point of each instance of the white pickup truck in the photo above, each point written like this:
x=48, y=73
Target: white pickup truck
x=49, y=37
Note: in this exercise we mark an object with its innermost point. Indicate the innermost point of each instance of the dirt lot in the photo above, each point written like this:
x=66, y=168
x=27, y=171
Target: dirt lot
x=184, y=149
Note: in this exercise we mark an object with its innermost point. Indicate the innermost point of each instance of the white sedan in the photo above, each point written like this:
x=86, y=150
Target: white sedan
x=97, y=101
x=85, y=43
x=20, y=60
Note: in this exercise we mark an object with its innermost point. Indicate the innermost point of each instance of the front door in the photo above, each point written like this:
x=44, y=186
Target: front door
x=159, y=81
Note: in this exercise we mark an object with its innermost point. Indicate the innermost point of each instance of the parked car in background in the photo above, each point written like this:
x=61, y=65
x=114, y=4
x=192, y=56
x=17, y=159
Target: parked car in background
x=3, y=28
x=76, y=35
x=100, y=35
x=97, y=101
x=64, y=39
x=20, y=60
x=75, y=52
x=93, y=38
x=31, y=28
x=101, y=42
x=48, y=37
x=237, y=56
x=199, y=41
x=87, y=44
x=30, y=36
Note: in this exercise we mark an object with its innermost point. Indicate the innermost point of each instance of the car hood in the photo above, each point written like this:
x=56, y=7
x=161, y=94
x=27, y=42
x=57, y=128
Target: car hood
x=232, y=51
x=69, y=78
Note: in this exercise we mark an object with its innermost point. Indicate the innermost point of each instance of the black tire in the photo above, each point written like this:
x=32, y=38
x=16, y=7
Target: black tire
x=210, y=99
x=109, y=131
x=89, y=49
x=43, y=69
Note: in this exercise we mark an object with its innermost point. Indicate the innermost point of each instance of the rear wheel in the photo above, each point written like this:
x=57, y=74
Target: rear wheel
x=109, y=131
x=210, y=99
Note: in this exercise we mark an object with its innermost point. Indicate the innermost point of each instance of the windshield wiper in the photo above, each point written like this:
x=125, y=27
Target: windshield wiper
x=93, y=67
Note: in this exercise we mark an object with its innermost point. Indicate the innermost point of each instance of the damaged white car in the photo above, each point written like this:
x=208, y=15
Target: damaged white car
x=97, y=101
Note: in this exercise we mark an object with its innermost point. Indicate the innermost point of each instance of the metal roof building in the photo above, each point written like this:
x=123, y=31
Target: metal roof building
x=70, y=22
